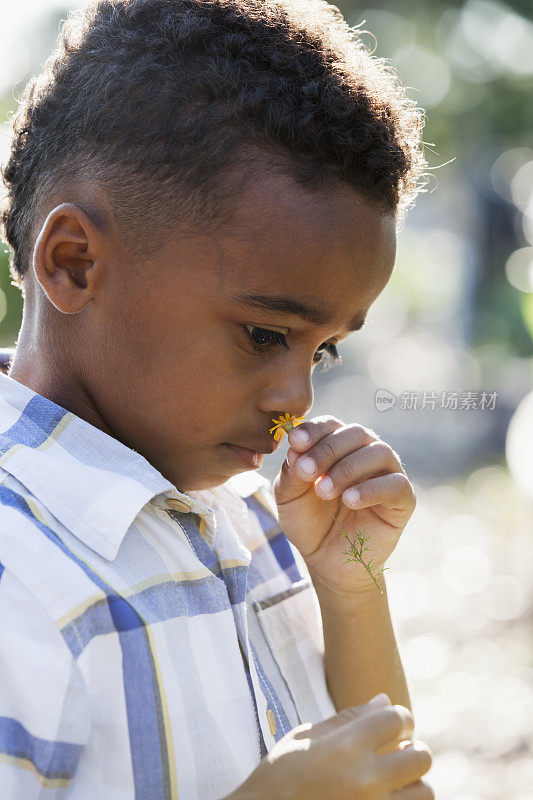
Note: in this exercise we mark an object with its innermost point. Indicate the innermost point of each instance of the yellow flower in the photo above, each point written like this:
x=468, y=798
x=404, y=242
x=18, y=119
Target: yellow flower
x=285, y=424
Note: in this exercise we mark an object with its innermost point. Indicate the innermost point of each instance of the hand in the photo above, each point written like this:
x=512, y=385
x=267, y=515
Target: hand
x=350, y=455
x=354, y=755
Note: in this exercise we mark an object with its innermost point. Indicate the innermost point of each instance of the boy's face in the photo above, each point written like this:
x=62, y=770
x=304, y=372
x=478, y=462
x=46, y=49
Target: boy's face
x=163, y=362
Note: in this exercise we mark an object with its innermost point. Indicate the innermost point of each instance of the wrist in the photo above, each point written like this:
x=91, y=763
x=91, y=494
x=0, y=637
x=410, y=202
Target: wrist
x=348, y=600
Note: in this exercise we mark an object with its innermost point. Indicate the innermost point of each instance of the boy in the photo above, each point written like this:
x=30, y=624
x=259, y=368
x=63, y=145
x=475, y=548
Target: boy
x=202, y=202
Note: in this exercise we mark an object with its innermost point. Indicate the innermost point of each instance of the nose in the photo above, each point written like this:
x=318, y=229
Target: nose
x=292, y=392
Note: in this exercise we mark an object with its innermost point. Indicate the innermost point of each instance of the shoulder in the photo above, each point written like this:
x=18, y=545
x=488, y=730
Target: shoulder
x=34, y=552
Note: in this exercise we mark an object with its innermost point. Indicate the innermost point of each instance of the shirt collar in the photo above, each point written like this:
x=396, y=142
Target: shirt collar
x=48, y=448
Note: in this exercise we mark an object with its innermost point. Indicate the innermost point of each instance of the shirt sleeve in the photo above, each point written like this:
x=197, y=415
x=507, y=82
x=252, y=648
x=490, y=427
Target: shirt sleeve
x=44, y=702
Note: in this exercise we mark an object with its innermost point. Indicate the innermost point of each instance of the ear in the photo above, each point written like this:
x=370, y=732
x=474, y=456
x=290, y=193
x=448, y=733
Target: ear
x=67, y=257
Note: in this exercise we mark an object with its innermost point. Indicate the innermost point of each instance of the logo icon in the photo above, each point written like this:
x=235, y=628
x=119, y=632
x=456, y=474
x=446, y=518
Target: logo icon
x=385, y=400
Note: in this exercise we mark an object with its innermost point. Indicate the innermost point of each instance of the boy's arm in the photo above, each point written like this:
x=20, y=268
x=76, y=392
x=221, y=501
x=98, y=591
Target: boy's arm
x=361, y=655
x=44, y=705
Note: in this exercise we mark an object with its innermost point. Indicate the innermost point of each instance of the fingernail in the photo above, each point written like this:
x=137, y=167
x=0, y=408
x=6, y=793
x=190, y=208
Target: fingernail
x=307, y=465
x=300, y=437
x=352, y=495
x=291, y=457
x=325, y=485
x=417, y=744
x=381, y=699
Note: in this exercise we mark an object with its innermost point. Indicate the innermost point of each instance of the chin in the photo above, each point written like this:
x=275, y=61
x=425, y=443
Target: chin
x=235, y=461
x=200, y=483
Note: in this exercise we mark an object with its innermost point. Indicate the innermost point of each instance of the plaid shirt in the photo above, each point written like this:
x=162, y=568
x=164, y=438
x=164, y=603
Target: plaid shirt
x=153, y=644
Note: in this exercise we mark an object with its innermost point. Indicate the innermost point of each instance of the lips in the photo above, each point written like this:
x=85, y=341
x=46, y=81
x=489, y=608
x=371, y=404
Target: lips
x=262, y=448
x=251, y=459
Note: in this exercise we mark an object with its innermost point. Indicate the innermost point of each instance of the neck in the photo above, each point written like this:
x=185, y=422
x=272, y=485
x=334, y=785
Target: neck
x=34, y=366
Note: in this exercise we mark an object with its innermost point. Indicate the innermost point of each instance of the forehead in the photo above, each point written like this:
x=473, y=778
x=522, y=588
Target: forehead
x=331, y=249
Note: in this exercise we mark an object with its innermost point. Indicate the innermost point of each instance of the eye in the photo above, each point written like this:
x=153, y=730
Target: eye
x=333, y=358
x=262, y=338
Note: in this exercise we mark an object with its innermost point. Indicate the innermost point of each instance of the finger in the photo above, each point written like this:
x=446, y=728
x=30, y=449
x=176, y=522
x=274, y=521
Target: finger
x=391, y=724
x=294, y=482
x=420, y=790
x=306, y=434
x=393, y=747
x=369, y=461
x=327, y=447
x=343, y=717
x=393, y=490
x=408, y=765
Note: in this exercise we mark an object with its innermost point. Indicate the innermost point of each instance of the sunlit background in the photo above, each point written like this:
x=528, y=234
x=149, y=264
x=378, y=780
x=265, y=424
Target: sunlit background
x=449, y=346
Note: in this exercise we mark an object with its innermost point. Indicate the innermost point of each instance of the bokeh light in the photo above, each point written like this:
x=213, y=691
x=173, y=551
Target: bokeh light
x=519, y=445
x=519, y=269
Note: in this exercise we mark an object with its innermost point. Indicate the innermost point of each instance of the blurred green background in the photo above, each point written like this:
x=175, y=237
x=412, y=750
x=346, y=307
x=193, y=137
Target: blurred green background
x=455, y=321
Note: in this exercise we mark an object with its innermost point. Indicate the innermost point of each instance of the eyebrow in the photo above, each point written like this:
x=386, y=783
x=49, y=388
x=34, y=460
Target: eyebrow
x=289, y=305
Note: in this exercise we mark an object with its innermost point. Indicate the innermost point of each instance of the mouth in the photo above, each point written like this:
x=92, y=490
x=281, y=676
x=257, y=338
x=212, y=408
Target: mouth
x=251, y=457
x=264, y=449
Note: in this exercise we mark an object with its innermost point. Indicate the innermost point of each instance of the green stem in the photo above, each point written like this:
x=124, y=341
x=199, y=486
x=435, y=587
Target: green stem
x=357, y=555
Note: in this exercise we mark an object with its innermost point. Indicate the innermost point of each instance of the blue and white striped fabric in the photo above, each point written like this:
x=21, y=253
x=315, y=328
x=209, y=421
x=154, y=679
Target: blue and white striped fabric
x=153, y=644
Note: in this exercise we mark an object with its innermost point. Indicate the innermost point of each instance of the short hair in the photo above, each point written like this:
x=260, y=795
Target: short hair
x=172, y=105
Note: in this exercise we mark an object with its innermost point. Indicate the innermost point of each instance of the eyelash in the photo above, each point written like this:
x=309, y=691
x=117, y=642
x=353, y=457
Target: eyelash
x=279, y=339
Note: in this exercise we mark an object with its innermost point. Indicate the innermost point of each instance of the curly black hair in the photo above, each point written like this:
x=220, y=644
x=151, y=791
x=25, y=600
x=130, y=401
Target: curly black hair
x=172, y=105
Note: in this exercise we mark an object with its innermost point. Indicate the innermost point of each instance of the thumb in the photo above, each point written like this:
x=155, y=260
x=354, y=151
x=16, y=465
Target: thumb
x=290, y=483
x=377, y=703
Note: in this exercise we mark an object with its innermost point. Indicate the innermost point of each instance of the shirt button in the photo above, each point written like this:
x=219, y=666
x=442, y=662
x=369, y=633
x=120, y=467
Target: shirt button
x=177, y=505
x=271, y=722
